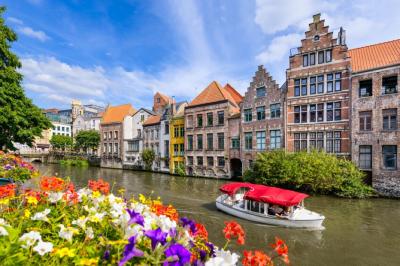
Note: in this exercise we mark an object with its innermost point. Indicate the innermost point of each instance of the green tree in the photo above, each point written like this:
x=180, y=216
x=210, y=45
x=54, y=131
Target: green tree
x=20, y=120
x=60, y=142
x=148, y=157
x=87, y=139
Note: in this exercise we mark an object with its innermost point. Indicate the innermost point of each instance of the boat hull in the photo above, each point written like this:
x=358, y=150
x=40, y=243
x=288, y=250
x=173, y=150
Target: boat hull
x=272, y=220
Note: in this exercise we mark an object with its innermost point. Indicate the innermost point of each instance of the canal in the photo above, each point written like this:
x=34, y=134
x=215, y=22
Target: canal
x=357, y=232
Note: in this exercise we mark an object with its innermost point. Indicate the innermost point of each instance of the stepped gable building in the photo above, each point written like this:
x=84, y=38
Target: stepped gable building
x=111, y=134
x=160, y=102
x=318, y=95
x=262, y=117
x=375, y=113
x=151, y=138
x=207, y=129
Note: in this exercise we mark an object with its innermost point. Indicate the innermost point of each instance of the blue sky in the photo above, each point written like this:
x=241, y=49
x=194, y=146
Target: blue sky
x=122, y=51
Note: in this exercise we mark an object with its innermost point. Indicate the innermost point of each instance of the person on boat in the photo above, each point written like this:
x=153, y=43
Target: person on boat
x=275, y=209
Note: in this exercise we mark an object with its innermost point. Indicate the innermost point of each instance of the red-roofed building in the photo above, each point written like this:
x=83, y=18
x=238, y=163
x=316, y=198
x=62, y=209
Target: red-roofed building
x=375, y=110
x=207, y=130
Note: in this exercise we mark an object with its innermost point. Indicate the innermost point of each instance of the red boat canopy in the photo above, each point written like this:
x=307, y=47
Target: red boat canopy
x=261, y=193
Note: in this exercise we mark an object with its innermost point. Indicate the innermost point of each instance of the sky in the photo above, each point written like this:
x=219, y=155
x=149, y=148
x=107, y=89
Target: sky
x=123, y=51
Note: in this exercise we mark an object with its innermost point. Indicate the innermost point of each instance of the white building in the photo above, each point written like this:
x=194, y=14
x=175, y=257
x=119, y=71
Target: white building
x=61, y=128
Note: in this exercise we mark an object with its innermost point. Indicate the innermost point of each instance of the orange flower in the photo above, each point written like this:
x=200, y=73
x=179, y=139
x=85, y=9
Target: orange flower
x=36, y=194
x=247, y=258
x=70, y=195
x=259, y=258
x=233, y=229
x=99, y=185
x=52, y=184
x=168, y=211
x=7, y=191
x=201, y=232
x=281, y=249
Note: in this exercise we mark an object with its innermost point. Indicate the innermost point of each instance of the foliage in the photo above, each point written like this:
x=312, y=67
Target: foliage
x=12, y=166
x=180, y=169
x=148, y=156
x=87, y=139
x=20, y=120
x=60, y=142
x=315, y=172
x=77, y=161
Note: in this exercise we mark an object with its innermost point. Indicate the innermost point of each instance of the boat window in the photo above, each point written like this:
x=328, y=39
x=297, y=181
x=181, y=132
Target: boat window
x=248, y=205
x=261, y=207
x=254, y=206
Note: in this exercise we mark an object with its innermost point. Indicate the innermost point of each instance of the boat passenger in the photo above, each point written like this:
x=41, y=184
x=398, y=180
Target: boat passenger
x=274, y=210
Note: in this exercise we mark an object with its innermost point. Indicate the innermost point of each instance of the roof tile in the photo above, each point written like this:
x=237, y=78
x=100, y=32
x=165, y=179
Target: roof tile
x=215, y=93
x=116, y=114
x=152, y=120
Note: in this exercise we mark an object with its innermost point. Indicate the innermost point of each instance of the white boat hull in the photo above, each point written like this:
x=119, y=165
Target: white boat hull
x=270, y=219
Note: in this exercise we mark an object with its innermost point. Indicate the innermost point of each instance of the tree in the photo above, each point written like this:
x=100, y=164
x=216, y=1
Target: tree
x=20, y=120
x=60, y=142
x=148, y=157
x=87, y=139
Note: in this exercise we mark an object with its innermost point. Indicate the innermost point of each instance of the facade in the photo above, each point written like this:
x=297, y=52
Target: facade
x=151, y=139
x=262, y=117
x=177, y=137
x=206, y=130
x=133, y=138
x=375, y=110
x=84, y=117
x=160, y=102
x=111, y=134
x=233, y=140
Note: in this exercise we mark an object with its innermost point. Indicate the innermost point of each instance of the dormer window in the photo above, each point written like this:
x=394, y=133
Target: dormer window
x=316, y=38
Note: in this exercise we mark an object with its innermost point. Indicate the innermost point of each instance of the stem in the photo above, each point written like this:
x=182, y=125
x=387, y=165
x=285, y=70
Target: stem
x=226, y=244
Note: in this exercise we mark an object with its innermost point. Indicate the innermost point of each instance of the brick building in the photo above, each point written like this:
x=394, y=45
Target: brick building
x=318, y=98
x=160, y=102
x=262, y=117
x=207, y=128
x=375, y=110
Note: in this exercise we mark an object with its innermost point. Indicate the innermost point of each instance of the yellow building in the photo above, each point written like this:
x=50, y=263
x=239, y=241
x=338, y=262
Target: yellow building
x=177, y=138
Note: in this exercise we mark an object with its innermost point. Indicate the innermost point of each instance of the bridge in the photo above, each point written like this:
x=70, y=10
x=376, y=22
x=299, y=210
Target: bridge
x=35, y=157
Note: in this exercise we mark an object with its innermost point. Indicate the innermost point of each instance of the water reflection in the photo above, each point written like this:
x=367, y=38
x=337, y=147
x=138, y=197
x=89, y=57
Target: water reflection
x=357, y=232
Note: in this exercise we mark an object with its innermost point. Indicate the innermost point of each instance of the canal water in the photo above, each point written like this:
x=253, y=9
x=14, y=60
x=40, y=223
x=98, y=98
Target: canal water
x=357, y=232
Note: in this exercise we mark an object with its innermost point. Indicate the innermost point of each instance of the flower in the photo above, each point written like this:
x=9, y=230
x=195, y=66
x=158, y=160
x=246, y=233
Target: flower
x=258, y=258
x=55, y=196
x=62, y=252
x=223, y=258
x=135, y=218
x=168, y=211
x=130, y=251
x=201, y=232
x=52, y=184
x=27, y=213
x=66, y=232
x=233, y=229
x=43, y=248
x=41, y=216
x=89, y=233
x=30, y=238
x=100, y=186
x=81, y=222
x=3, y=231
x=156, y=236
x=187, y=223
x=282, y=249
x=88, y=262
x=177, y=255
x=32, y=200
x=7, y=191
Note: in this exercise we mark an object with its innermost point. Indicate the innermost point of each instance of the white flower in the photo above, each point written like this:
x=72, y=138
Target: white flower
x=165, y=223
x=81, y=222
x=3, y=222
x=30, y=238
x=55, y=196
x=83, y=193
x=66, y=232
x=223, y=258
x=3, y=231
x=43, y=248
x=98, y=217
x=41, y=216
x=89, y=232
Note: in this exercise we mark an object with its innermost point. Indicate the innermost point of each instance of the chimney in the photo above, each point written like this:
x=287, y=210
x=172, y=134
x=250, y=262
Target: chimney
x=317, y=18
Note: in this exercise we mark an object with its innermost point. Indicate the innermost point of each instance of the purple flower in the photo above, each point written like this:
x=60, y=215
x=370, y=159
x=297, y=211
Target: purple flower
x=172, y=232
x=156, y=236
x=130, y=251
x=106, y=255
x=187, y=223
x=136, y=218
x=8, y=167
x=212, y=249
x=203, y=255
x=177, y=255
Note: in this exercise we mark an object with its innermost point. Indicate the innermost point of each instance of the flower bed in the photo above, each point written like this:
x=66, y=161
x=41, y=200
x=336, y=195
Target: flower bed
x=13, y=167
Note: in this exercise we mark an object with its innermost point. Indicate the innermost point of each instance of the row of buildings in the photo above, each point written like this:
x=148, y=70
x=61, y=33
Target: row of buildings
x=343, y=101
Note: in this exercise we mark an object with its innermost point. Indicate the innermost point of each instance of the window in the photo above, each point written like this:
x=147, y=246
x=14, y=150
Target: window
x=248, y=140
x=116, y=148
x=210, y=161
x=133, y=145
x=303, y=114
x=389, y=156
x=338, y=81
x=300, y=141
x=260, y=136
x=328, y=54
x=305, y=60
x=389, y=85
x=62, y=128
x=105, y=148
x=320, y=57
x=313, y=113
x=158, y=100
x=329, y=111
x=333, y=142
x=199, y=141
x=261, y=92
x=312, y=59
x=141, y=118
x=58, y=128
x=275, y=136
x=313, y=88
x=304, y=86
x=67, y=129
x=199, y=120
x=248, y=116
x=297, y=87
x=209, y=119
x=365, y=88
x=320, y=85
x=329, y=83
x=389, y=117
x=200, y=160
x=110, y=135
x=221, y=161
x=166, y=128
x=190, y=143
x=110, y=148
x=275, y=110
x=365, y=157
x=182, y=149
x=338, y=111
x=176, y=131
x=221, y=144
x=190, y=160
x=297, y=114
x=152, y=134
x=260, y=112
x=182, y=131
x=221, y=118
x=316, y=140
x=235, y=143
x=189, y=121
x=157, y=135
x=210, y=141
x=105, y=135
x=176, y=149
x=365, y=120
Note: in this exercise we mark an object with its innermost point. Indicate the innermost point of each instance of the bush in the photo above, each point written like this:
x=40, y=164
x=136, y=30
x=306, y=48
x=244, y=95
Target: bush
x=180, y=169
x=60, y=142
x=75, y=162
x=314, y=172
x=148, y=157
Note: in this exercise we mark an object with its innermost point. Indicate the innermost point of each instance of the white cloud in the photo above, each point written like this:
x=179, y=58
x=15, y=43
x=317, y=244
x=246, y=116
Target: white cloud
x=36, y=34
x=15, y=20
x=279, y=48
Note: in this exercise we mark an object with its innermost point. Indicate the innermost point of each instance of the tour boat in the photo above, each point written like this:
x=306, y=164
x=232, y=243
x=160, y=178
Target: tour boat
x=268, y=205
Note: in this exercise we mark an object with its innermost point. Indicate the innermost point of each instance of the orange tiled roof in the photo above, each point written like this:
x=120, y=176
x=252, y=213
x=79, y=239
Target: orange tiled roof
x=154, y=119
x=375, y=56
x=116, y=114
x=214, y=93
x=235, y=94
